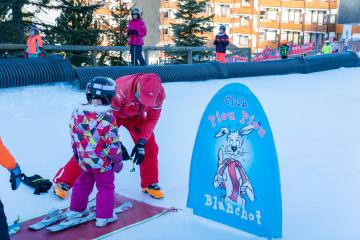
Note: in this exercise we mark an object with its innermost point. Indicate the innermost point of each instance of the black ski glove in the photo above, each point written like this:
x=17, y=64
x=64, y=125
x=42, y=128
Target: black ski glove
x=139, y=151
x=40, y=184
x=124, y=153
x=15, y=177
x=134, y=32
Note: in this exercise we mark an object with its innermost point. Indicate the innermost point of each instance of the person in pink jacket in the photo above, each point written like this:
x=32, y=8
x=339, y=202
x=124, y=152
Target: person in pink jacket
x=137, y=106
x=136, y=33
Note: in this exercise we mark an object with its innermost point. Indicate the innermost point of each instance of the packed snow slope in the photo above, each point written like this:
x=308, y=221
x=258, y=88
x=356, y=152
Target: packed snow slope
x=314, y=119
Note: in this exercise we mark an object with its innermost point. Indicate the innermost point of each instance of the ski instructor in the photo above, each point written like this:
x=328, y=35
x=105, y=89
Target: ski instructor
x=137, y=106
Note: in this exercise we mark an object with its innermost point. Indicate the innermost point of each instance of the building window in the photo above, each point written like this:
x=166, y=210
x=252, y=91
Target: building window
x=244, y=21
x=285, y=16
x=314, y=17
x=293, y=37
x=208, y=9
x=321, y=18
x=271, y=14
x=271, y=35
x=222, y=10
x=333, y=18
x=262, y=35
x=166, y=14
x=243, y=40
x=245, y=3
x=291, y=15
x=166, y=31
x=101, y=19
x=297, y=16
x=268, y=35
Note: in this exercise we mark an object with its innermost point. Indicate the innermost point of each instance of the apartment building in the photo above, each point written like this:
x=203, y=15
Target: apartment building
x=250, y=23
x=264, y=23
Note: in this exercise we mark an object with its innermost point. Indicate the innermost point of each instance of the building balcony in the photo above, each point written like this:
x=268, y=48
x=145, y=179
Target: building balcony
x=270, y=3
x=332, y=27
x=166, y=21
x=292, y=26
x=222, y=19
x=318, y=4
x=293, y=3
x=171, y=5
x=166, y=38
x=241, y=30
x=315, y=28
x=269, y=24
x=226, y=1
x=103, y=11
x=242, y=10
x=267, y=44
x=333, y=4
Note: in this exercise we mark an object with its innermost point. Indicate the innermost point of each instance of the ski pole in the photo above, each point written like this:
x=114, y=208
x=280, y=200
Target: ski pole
x=134, y=57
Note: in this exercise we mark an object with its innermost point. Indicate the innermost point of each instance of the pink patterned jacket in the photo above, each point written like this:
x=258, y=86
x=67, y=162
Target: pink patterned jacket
x=95, y=137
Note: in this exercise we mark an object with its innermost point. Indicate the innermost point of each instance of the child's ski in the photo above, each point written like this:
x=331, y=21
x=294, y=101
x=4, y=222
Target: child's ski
x=55, y=215
x=91, y=216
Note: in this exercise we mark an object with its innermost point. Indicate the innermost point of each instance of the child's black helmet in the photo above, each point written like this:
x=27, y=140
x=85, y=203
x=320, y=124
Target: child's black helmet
x=101, y=88
x=222, y=27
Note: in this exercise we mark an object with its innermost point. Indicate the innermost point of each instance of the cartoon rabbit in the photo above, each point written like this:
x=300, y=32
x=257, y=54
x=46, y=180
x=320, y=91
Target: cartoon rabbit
x=231, y=176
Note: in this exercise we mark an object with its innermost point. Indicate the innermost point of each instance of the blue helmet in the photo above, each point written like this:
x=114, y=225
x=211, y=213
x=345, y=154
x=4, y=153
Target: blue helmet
x=222, y=27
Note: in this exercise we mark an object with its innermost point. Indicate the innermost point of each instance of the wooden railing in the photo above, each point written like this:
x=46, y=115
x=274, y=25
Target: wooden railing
x=95, y=50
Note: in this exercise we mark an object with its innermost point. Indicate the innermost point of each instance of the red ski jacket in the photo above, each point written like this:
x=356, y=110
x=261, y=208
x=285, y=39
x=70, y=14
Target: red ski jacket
x=139, y=96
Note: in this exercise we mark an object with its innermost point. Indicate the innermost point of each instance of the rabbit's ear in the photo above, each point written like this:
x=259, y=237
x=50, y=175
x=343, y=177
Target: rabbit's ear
x=222, y=132
x=246, y=130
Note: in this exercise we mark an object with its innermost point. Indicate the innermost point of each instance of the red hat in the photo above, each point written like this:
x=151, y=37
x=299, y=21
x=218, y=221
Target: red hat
x=148, y=88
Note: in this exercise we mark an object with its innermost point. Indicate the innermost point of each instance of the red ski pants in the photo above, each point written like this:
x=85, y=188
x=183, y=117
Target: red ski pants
x=148, y=168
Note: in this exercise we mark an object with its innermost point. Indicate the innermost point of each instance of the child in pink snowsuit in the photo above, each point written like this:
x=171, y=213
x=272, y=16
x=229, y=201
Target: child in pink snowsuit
x=136, y=33
x=97, y=149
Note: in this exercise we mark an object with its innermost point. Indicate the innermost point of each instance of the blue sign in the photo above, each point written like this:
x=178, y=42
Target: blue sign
x=234, y=176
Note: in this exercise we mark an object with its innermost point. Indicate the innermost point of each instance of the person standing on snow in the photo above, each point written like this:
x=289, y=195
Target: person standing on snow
x=34, y=43
x=137, y=106
x=221, y=41
x=136, y=32
x=326, y=48
x=8, y=162
x=97, y=150
x=284, y=49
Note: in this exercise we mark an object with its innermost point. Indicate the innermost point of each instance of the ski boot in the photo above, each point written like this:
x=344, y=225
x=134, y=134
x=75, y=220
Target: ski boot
x=154, y=191
x=102, y=222
x=61, y=190
x=71, y=215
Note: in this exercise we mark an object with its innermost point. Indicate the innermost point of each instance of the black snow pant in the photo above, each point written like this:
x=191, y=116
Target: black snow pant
x=4, y=230
x=136, y=56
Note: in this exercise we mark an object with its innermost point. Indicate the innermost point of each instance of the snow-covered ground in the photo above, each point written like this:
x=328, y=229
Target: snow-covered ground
x=314, y=119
